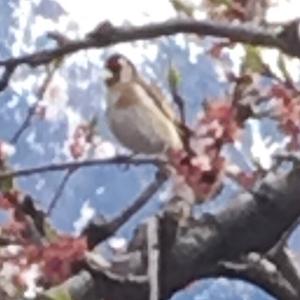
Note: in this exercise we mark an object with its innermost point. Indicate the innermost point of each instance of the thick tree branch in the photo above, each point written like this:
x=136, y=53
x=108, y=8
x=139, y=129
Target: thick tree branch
x=259, y=270
x=252, y=223
x=153, y=258
x=94, y=286
x=106, y=35
x=285, y=262
x=248, y=224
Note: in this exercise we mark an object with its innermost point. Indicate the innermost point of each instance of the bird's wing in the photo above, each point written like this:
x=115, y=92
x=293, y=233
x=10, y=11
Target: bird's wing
x=159, y=100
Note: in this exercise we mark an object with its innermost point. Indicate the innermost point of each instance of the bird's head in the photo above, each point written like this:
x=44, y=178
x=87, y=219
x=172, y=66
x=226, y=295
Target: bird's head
x=119, y=69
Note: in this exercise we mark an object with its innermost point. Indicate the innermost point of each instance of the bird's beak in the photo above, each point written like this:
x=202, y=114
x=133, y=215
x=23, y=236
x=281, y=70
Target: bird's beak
x=106, y=74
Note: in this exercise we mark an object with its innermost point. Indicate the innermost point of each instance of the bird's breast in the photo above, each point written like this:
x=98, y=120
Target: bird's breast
x=138, y=124
x=132, y=130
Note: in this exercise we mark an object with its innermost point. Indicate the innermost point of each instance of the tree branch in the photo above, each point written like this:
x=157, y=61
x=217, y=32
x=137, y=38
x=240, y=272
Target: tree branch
x=96, y=233
x=153, y=258
x=259, y=270
x=288, y=267
x=256, y=221
x=32, y=109
x=59, y=191
x=106, y=35
x=251, y=223
x=117, y=160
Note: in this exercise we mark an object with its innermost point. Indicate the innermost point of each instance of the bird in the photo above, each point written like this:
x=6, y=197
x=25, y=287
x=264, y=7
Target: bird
x=138, y=114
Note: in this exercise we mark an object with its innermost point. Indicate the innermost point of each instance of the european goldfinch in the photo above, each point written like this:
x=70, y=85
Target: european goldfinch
x=138, y=114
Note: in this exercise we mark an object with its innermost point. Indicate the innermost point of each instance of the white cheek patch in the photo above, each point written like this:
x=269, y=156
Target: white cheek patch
x=126, y=71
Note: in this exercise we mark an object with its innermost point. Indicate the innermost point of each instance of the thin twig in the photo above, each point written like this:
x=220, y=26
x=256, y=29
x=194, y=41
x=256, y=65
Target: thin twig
x=32, y=109
x=96, y=234
x=117, y=160
x=178, y=100
x=59, y=191
x=150, y=190
x=9, y=70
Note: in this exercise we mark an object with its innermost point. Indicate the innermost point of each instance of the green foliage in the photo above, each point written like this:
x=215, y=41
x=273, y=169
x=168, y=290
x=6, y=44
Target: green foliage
x=174, y=77
x=253, y=61
x=183, y=6
x=59, y=293
x=6, y=184
x=220, y=2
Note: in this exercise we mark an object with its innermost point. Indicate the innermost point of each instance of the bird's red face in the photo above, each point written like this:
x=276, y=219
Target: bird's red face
x=114, y=63
x=119, y=68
